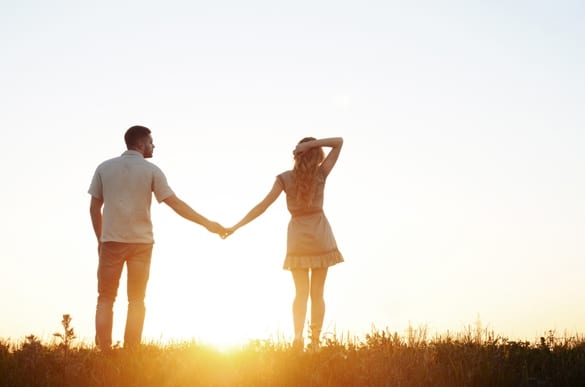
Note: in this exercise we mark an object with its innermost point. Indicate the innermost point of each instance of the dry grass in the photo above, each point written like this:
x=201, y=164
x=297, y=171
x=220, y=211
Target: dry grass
x=382, y=358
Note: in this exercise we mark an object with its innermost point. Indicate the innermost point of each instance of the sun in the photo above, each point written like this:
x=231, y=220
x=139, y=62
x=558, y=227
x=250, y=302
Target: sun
x=215, y=322
x=224, y=304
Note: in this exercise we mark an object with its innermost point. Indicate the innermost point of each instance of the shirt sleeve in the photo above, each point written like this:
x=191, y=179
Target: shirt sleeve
x=96, y=188
x=160, y=186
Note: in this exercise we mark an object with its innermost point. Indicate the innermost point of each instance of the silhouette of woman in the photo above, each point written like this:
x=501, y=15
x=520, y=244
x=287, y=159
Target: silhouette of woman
x=311, y=246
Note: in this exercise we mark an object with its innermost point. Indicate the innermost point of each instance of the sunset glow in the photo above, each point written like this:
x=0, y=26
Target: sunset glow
x=458, y=195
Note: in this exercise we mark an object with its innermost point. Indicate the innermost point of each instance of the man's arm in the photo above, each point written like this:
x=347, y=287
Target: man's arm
x=183, y=209
x=95, y=211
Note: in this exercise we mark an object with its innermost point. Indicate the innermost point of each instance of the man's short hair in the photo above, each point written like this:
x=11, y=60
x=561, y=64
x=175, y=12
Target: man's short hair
x=135, y=134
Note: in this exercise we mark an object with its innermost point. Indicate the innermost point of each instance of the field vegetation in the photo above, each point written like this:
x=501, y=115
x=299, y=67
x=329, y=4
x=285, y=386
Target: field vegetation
x=381, y=358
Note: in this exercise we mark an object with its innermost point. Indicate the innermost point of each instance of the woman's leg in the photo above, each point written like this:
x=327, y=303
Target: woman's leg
x=318, y=277
x=301, y=279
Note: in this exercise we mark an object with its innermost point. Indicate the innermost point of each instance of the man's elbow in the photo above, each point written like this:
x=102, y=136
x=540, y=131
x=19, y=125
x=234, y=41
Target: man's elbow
x=172, y=201
x=179, y=206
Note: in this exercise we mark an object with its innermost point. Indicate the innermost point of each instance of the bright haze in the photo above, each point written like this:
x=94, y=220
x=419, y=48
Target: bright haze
x=458, y=196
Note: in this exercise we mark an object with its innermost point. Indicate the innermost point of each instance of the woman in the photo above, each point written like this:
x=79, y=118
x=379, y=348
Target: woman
x=311, y=246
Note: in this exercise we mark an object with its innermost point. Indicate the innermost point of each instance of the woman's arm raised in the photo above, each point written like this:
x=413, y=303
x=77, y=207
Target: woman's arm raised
x=335, y=143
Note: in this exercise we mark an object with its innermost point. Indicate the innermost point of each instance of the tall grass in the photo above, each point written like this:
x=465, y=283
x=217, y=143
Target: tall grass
x=381, y=358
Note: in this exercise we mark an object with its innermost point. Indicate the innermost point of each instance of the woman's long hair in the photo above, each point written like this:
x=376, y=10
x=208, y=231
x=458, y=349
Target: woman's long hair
x=305, y=173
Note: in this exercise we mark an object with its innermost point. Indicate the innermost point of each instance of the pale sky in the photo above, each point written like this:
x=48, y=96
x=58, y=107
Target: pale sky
x=458, y=194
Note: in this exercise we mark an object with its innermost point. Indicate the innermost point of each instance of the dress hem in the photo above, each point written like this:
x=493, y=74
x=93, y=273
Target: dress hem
x=312, y=261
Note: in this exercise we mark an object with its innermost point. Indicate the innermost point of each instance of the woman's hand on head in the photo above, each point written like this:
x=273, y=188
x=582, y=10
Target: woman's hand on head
x=301, y=148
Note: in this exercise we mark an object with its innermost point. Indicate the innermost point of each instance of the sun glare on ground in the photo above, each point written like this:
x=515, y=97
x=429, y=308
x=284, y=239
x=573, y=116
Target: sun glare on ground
x=223, y=336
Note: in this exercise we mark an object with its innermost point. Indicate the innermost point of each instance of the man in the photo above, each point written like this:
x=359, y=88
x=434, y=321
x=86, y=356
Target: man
x=123, y=187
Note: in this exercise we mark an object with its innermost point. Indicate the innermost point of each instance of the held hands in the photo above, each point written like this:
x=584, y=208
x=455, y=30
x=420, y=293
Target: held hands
x=229, y=231
x=218, y=229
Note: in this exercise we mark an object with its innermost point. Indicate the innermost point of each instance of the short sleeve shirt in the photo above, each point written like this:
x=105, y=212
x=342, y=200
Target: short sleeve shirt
x=126, y=185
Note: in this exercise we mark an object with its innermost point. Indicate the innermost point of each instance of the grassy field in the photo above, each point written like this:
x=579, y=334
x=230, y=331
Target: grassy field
x=470, y=358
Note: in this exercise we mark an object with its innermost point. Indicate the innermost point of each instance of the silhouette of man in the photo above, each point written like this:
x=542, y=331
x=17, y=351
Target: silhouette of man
x=123, y=187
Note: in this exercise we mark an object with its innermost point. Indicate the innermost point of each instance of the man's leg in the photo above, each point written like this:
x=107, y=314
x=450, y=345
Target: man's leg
x=138, y=265
x=109, y=271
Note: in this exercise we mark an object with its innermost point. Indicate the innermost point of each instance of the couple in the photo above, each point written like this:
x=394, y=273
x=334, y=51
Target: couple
x=121, y=194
